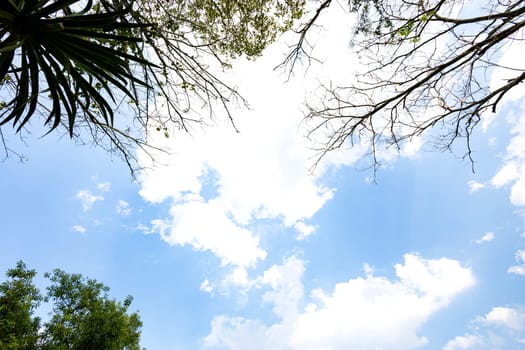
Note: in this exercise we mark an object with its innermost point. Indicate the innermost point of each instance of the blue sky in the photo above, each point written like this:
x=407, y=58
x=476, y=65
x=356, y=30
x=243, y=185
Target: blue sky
x=234, y=244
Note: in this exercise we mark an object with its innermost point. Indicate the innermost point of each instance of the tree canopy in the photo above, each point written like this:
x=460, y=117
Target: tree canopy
x=76, y=65
x=18, y=300
x=427, y=67
x=114, y=72
x=83, y=316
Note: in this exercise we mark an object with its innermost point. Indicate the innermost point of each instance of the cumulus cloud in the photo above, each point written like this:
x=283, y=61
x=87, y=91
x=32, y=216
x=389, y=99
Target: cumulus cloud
x=411, y=147
x=487, y=237
x=467, y=341
x=362, y=313
x=263, y=172
x=513, y=169
x=518, y=269
x=237, y=280
x=79, y=229
x=286, y=288
x=206, y=226
x=506, y=317
x=475, y=186
x=509, y=63
x=252, y=181
x=303, y=230
x=500, y=328
x=505, y=175
x=260, y=173
x=87, y=199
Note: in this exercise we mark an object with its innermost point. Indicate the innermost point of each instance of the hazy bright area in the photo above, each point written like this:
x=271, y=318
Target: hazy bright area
x=236, y=242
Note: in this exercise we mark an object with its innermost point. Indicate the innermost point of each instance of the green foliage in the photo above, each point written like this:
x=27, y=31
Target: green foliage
x=237, y=27
x=406, y=29
x=77, y=63
x=72, y=51
x=83, y=317
x=18, y=299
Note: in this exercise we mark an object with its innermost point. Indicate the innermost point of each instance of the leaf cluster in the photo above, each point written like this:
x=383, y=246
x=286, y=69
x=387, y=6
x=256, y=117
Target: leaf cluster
x=18, y=300
x=49, y=50
x=154, y=63
x=236, y=28
x=83, y=316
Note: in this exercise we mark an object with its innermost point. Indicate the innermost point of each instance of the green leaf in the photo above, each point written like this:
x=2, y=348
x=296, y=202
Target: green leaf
x=7, y=46
x=54, y=7
x=34, y=77
x=5, y=62
x=6, y=16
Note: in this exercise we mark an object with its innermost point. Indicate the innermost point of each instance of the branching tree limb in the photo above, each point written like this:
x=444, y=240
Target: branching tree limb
x=427, y=68
x=117, y=72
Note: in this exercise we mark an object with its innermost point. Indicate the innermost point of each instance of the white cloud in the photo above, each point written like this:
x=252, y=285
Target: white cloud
x=500, y=328
x=509, y=63
x=517, y=193
x=505, y=175
x=206, y=226
x=439, y=279
x=487, y=237
x=123, y=208
x=475, y=186
x=506, y=317
x=520, y=268
x=467, y=341
x=368, y=270
x=264, y=171
x=512, y=171
x=304, y=230
x=239, y=279
x=104, y=186
x=362, y=313
x=289, y=274
x=411, y=147
x=88, y=199
x=79, y=229
x=286, y=288
x=260, y=173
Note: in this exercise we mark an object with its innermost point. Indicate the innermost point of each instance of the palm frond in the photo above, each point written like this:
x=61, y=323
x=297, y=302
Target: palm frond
x=78, y=54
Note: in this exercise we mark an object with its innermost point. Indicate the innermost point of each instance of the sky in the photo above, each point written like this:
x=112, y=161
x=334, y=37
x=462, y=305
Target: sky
x=235, y=243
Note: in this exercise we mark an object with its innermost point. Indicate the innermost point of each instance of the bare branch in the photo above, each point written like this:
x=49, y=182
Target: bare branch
x=427, y=69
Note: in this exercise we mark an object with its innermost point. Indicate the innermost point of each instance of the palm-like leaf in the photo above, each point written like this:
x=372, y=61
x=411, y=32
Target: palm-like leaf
x=75, y=54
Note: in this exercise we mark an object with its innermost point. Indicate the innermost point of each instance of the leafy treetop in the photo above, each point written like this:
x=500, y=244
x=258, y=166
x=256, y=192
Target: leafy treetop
x=83, y=316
